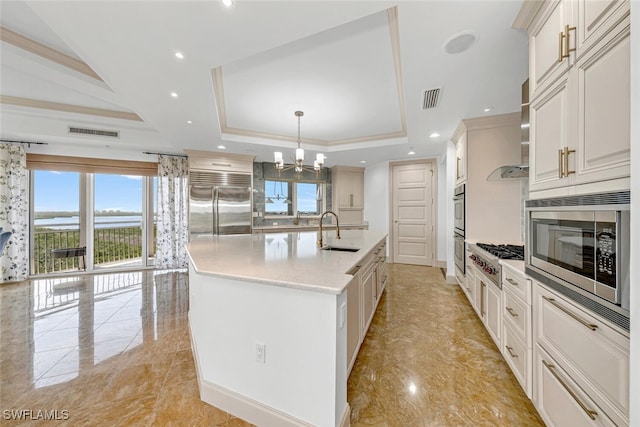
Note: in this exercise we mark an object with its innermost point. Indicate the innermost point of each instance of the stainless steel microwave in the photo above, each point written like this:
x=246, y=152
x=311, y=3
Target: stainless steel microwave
x=580, y=243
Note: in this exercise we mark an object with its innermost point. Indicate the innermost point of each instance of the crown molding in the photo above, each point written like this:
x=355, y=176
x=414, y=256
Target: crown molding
x=69, y=108
x=37, y=48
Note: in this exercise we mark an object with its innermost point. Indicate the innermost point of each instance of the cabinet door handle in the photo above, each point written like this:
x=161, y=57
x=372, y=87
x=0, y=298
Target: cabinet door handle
x=552, y=368
x=571, y=314
x=560, y=39
x=458, y=167
x=560, y=170
x=567, y=37
x=511, y=312
x=482, y=286
x=567, y=172
x=510, y=350
x=510, y=280
x=350, y=200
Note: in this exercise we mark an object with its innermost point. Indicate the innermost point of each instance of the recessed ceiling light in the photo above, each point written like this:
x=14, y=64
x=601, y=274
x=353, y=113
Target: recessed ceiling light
x=434, y=135
x=189, y=121
x=411, y=152
x=487, y=109
x=227, y=3
x=179, y=55
x=222, y=147
x=363, y=161
x=174, y=94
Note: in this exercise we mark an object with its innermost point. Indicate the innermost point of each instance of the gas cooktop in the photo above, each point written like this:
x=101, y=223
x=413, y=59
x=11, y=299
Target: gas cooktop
x=503, y=251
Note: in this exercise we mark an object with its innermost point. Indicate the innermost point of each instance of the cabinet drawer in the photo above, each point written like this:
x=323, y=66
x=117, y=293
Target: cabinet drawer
x=559, y=400
x=595, y=355
x=518, y=357
x=516, y=284
x=518, y=315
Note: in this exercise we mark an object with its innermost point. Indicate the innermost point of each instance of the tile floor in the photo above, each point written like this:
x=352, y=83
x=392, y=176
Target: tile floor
x=113, y=349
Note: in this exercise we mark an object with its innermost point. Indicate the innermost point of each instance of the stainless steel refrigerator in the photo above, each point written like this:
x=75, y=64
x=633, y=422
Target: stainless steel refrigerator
x=219, y=209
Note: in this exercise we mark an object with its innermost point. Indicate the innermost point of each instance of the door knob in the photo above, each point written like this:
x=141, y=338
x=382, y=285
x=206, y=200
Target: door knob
x=396, y=221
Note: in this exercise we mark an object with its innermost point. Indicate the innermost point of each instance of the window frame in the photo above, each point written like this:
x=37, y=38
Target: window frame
x=292, y=188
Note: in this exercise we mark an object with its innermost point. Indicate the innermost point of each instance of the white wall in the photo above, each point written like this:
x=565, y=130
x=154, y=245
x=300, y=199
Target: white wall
x=634, y=394
x=376, y=196
x=448, y=201
x=376, y=206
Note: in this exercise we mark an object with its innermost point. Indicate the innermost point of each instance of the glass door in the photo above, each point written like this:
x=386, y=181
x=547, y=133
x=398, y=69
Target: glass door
x=118, y=216
x=56, y=225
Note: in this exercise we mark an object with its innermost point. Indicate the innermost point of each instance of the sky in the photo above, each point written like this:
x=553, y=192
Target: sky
x=59, y=191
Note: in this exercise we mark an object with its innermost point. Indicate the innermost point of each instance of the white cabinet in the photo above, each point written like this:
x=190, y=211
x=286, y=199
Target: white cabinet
x=460, y=141
x=368, y=294
x=363, y=295
x=559, y=400
x=353, y=320
x=589, y=355
x=220, y=162
x=487, y=301
x=579, y=66
x=516, y=323
x=348, y=193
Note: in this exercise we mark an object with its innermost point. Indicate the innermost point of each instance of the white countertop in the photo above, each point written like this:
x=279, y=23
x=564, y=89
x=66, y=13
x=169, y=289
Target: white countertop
x=283, y=259
x=306, y=227
x=515, y=265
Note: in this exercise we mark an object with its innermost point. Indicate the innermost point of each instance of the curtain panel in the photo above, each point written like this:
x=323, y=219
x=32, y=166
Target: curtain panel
x=172, y=220
x=14, y=212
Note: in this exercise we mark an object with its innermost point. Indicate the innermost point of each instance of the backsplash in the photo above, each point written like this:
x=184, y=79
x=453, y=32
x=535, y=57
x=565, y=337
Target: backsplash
x=266, y=171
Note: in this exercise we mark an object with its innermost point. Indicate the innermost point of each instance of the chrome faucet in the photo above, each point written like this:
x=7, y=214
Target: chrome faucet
x=296, y=220
x=337, y=226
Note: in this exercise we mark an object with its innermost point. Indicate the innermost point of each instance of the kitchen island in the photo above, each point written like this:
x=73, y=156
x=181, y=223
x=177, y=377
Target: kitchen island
x=268, y=316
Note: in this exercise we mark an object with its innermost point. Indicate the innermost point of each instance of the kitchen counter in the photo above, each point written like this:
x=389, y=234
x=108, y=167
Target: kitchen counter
x=515, y=265
x=268, y=324
x=305, y=227
x=283, y=259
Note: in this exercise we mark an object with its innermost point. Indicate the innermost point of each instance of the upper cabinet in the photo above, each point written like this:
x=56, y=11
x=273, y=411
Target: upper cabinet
x=348, y=193
x=459, y=139
x=210, y=161
x=579, y=66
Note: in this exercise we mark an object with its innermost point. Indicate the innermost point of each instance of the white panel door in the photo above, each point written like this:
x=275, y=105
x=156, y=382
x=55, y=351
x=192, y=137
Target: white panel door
x=412, y=214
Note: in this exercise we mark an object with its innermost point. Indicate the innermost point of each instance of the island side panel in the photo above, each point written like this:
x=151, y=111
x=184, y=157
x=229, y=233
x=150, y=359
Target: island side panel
x=304, y=374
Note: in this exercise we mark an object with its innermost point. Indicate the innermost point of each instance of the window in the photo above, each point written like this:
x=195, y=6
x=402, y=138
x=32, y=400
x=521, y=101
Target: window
x=287, y=198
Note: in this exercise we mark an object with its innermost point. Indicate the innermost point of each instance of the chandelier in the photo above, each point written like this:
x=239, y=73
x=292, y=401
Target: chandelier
x=318, y=163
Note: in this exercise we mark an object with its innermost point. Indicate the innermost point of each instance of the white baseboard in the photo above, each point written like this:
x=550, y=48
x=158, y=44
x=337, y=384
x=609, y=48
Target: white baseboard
x=451, y=280
x=246, y=408
x=441, y=264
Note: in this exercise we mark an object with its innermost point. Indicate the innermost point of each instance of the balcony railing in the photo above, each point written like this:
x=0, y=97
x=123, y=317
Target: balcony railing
x=112, y=243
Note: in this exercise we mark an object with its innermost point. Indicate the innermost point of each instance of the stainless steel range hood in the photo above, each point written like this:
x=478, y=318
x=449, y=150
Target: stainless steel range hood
x=520, y=171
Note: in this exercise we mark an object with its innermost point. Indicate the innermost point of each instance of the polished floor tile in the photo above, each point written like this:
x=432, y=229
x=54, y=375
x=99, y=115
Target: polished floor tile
x=428, y=361
x=114, y=349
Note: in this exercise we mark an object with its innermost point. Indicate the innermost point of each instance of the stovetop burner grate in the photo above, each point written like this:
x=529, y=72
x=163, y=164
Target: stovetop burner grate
x=503, y=251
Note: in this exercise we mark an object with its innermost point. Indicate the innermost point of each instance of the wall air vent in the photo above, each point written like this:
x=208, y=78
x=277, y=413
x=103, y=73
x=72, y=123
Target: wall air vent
x=431, y=98
x=95, y=132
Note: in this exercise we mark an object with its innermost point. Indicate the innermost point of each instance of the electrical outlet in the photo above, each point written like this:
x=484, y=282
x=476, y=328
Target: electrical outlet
x=260, y=352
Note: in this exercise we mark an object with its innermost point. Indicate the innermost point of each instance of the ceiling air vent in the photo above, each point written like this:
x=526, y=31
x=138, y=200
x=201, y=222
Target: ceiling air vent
x=95, y=132
x=431, y=98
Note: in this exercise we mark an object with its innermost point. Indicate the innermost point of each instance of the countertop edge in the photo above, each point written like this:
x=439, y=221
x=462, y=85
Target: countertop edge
x=334, y=290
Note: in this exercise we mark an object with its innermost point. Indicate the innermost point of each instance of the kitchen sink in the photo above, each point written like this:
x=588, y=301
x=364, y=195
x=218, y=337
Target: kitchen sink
x=339, y=248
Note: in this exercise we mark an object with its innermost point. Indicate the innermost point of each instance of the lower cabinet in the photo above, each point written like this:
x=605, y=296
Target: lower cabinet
x=559, y=400
x=487, y=301
x=369, y=294
x=363, y=294
x=353, y=320
x=585, y=355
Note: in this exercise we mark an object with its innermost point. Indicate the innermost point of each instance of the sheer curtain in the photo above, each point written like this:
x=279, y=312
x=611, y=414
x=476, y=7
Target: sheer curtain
x=14, y=212
x=172, y=225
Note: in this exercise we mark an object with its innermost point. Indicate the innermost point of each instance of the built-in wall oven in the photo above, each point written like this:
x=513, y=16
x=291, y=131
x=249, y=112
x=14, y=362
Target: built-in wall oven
x=580, y=246
x=458, y=228
x=458, y=206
